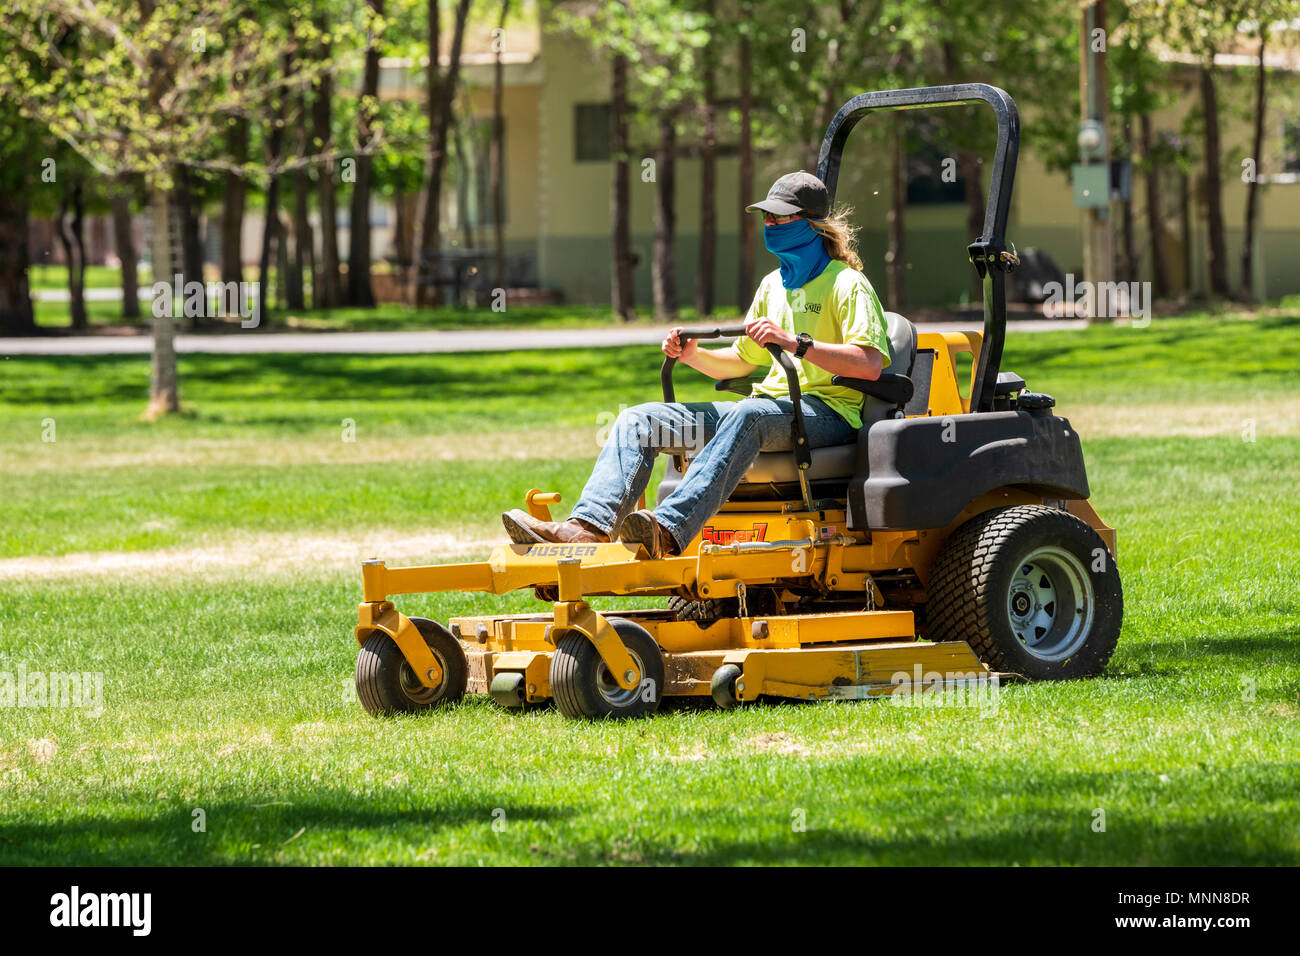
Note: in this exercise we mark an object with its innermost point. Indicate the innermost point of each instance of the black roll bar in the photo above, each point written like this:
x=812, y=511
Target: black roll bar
x=988, y=253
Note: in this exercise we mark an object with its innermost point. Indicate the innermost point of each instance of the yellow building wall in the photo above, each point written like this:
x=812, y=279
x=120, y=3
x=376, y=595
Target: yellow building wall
x=574, y=219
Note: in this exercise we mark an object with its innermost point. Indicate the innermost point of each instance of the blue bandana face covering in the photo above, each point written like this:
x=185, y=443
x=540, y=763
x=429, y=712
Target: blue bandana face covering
x=800, y=249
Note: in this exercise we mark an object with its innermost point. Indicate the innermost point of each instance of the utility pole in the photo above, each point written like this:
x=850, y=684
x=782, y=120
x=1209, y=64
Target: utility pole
x=1092, y=174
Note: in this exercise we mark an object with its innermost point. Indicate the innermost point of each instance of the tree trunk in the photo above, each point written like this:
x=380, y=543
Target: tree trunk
x=441, y=96
x=234, y=192
x=1128, y=227
x=405, y=206
x=704, y=285
x=283, y=267
x=1159, y=255
x=271, y=225
x=897, y=274
x=302, y=242
x=664, y=267
x=360, y=292
x=292, y=257
x=1218, y=264
x=463, y=163
x=187, y=205
x=16, y=316
x=1185, y=224
x=624, y=287
x=164, y=392
x=323, y=138
x=70, y=224
x=745, y=272
x=1128, y=231
x=124, y=242
x=497, y=162
x=1252, y=187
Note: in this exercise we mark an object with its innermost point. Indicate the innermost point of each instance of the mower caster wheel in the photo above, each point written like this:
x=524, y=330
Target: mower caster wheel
x=386, y=684
x=507, y=689
x=583, y=686
x=723, y=686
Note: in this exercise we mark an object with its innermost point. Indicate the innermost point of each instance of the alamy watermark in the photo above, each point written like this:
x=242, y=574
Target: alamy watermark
x=198, y=298
x=41, y=689
x=1095, y=300
x=918, y=688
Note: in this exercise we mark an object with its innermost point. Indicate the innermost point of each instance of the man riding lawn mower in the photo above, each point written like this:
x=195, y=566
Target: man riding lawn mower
x=854, y=527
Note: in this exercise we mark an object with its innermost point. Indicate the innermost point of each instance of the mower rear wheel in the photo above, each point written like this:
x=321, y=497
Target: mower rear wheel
x=1032, y=589
x=704, y=612
x=763, y=602
x=386, y=684
x=583, y=686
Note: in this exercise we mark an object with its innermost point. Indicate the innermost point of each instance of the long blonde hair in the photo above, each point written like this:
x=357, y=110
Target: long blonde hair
x=840, y=236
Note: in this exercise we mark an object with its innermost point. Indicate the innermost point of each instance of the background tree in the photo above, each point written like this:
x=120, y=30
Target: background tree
x=440, y=93
x=610, y=29
x=1264, y=15
x=21, y=142
x=1205, y=30
x=359, y=289
x=122, y=197
x=496, y=173
x=150, y=91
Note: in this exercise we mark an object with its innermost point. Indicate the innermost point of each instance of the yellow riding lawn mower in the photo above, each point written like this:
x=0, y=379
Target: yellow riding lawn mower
x=952, y=542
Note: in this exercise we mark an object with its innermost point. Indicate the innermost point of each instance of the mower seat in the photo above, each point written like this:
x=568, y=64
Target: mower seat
x=839, y=461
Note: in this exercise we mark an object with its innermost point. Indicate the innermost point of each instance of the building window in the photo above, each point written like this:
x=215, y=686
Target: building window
x=593, y=132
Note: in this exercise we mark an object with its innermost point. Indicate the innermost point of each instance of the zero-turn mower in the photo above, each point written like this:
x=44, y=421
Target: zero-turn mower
x=952, y=542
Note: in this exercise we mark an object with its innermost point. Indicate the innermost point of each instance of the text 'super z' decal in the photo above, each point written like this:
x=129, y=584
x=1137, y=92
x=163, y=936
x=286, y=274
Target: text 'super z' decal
x=712, y=535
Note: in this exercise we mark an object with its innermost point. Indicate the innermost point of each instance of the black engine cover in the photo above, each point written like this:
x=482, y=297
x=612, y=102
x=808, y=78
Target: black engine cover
x=921, y=472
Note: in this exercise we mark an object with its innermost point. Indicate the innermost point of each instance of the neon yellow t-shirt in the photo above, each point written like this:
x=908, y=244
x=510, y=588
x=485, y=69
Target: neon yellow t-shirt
x=837, y=307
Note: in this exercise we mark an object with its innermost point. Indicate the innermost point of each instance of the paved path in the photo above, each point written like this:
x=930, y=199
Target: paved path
x=466, y=340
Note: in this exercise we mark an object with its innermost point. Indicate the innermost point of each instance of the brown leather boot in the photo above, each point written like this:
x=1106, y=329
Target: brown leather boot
x=523, y=528
x=640, y=527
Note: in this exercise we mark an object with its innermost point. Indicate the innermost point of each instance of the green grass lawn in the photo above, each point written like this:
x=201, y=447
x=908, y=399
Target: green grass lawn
x=45, y=277
x=226, y=654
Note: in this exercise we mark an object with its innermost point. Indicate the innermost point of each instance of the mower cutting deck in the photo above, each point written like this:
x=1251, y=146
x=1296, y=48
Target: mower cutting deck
x=951, y=543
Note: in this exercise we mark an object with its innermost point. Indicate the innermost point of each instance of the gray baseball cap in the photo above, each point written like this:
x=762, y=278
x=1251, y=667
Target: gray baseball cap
x=796, y=192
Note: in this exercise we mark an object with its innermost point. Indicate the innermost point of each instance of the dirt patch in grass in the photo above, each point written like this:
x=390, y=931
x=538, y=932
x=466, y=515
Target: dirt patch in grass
x=326, y=448
x=780, y=743
x=277, y=554
x=1256, y=421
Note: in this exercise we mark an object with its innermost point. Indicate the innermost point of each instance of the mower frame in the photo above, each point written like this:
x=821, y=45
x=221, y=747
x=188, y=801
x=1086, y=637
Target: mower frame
x=756, y=557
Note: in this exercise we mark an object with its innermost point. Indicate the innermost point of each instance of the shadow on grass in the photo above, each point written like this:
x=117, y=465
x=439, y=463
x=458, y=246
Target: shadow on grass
x=1048, y=819
x=248, y=832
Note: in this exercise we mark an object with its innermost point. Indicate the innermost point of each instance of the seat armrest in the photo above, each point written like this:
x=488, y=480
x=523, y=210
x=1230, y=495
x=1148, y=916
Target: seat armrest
x=1007, y=383
x=741, y=386
x=893, y=389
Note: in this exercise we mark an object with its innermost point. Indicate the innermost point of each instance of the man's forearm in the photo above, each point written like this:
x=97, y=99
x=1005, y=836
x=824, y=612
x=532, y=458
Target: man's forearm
x=719, y=363
x=851, y=361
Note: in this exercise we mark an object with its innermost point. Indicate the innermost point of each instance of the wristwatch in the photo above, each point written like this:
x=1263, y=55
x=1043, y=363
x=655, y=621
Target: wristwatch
x=805, y=343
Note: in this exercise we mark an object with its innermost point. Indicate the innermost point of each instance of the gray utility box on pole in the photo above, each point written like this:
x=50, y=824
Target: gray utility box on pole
x=1091, y=182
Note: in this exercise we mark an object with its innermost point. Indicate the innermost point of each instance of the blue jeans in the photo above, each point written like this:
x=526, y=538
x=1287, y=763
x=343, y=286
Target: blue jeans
x=723, y=437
